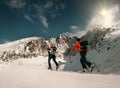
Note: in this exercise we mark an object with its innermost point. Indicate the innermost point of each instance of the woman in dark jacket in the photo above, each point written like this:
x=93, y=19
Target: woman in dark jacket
x=51, y=55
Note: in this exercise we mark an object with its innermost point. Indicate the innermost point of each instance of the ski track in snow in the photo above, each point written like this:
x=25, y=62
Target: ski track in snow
x=33, y=73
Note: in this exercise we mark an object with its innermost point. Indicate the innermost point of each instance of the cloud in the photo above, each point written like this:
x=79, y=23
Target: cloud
x=105, y=17
x=94, y=19
x=62, y=6
x=18, y=4
x=36, y=11
x=74, y=28
x=28, y=18
x=3, y=41
x=109, y=18
x=53, y=8
x=43, y=19
x=48, y=5
x=75, y=31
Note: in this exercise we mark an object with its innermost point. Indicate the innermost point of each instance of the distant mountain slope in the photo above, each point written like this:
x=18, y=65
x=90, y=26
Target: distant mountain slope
x=31, y=47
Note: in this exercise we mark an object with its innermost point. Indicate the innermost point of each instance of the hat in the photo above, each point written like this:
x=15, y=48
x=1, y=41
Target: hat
x=78, y=39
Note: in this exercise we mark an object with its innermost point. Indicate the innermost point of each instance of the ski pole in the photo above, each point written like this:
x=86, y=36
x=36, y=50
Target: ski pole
x=69, y=59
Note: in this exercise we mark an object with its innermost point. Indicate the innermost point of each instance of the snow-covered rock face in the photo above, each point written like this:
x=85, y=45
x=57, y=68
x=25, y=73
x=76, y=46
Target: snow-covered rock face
x=105, y=45
x=32, y=47
x=99, y=37
x=61, y=42
x=24, y=48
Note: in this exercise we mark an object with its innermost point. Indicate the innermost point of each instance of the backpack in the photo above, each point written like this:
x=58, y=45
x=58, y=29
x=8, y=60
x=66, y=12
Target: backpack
x=84, y=45
x=54, y=48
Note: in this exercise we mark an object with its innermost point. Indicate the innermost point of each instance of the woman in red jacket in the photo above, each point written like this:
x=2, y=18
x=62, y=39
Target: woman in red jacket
x=83, y=51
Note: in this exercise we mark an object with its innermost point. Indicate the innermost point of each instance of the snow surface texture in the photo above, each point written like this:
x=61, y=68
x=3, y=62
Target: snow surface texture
x=33, y=73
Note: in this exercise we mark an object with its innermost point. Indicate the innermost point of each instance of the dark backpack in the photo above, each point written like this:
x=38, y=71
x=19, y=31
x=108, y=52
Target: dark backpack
x=84, y=44
x=54, y=48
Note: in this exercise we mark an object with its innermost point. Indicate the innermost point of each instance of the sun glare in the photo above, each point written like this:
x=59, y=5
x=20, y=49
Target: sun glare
x=105, y=17
x=104, y=12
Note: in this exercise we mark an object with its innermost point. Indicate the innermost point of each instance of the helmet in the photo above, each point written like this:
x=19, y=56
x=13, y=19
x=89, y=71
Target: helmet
x=78, y=39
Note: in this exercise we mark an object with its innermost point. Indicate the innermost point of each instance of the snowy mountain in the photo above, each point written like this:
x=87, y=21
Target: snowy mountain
x=23, y=48
x=31, y=47
x=104, y=44
x=32, y=72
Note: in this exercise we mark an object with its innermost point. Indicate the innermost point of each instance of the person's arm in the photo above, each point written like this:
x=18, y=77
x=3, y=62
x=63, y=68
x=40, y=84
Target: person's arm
x=73, y=48
x=76, y=45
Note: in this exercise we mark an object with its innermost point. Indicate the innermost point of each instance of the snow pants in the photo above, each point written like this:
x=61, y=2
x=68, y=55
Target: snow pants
x=51, y=56
x=83, y=60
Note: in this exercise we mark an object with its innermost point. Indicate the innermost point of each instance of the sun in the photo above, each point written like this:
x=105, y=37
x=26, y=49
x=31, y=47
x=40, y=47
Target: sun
x=104, y=12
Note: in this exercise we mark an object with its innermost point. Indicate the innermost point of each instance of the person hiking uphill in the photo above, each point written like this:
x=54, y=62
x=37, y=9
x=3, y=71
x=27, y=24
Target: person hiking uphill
x=51, y=55
x=82, y=49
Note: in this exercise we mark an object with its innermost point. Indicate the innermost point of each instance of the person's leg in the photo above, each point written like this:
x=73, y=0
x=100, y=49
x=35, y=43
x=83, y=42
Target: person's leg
x=54, y=59
x=82, y=60
x=49, y=64
x=88, y=63
x=85, y=61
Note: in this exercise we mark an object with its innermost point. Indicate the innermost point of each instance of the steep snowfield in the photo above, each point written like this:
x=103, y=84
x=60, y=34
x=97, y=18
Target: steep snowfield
x=108, y=57
x=105, y=44
x=33, y=73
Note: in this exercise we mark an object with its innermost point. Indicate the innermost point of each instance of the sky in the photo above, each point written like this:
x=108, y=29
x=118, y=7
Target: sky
x=50, y=18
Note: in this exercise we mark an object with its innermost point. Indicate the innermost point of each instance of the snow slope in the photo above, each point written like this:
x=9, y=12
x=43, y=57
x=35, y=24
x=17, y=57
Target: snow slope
x=33, y=73
x=105, y=44
x=105, y=49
